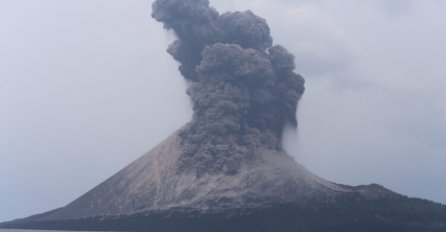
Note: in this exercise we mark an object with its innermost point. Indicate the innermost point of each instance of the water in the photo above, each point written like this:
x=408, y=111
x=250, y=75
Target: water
x=15, y=230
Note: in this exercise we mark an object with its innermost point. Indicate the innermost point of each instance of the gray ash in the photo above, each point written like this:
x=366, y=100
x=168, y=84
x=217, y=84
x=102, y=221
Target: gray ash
x=243, y=89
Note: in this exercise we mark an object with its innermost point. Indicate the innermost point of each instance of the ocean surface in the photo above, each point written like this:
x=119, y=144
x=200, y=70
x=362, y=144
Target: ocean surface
x=14, y=230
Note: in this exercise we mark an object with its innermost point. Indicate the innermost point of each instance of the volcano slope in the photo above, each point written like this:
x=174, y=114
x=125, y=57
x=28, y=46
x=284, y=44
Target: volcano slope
x=226, y=170
x=270, y=193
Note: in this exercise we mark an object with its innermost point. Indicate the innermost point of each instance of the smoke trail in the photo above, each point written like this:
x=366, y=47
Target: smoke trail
x=243, y=88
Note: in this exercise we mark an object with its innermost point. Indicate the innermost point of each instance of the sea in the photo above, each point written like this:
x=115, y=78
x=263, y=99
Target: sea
x=15, y=230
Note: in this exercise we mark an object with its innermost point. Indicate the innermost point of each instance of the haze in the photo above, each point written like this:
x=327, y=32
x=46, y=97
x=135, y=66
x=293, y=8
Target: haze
x=86, y=87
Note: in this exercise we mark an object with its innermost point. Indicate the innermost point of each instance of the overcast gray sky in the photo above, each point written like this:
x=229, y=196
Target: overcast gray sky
x=86, y=87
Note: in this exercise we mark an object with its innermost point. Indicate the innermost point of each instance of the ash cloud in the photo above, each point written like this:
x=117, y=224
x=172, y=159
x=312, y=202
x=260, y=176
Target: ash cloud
x=243, y=89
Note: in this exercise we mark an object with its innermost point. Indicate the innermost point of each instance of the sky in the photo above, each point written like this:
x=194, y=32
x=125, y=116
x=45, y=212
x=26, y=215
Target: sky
x=86, y=87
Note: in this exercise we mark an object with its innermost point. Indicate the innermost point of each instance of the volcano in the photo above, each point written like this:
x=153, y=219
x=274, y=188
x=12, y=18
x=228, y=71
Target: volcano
x=270, y=193
x=226, y=170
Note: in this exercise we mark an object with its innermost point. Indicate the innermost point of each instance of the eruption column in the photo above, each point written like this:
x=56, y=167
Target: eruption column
x=243, y=89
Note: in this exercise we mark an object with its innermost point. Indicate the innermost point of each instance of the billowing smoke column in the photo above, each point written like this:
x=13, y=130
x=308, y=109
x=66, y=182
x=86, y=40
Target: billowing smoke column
x=243, y=88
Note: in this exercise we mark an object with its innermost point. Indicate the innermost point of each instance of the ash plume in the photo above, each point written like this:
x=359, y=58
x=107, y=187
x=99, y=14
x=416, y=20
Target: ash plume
x=243, y=89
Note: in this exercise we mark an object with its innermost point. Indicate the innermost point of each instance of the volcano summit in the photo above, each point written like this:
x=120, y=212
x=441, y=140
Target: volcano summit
x=226, y=170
